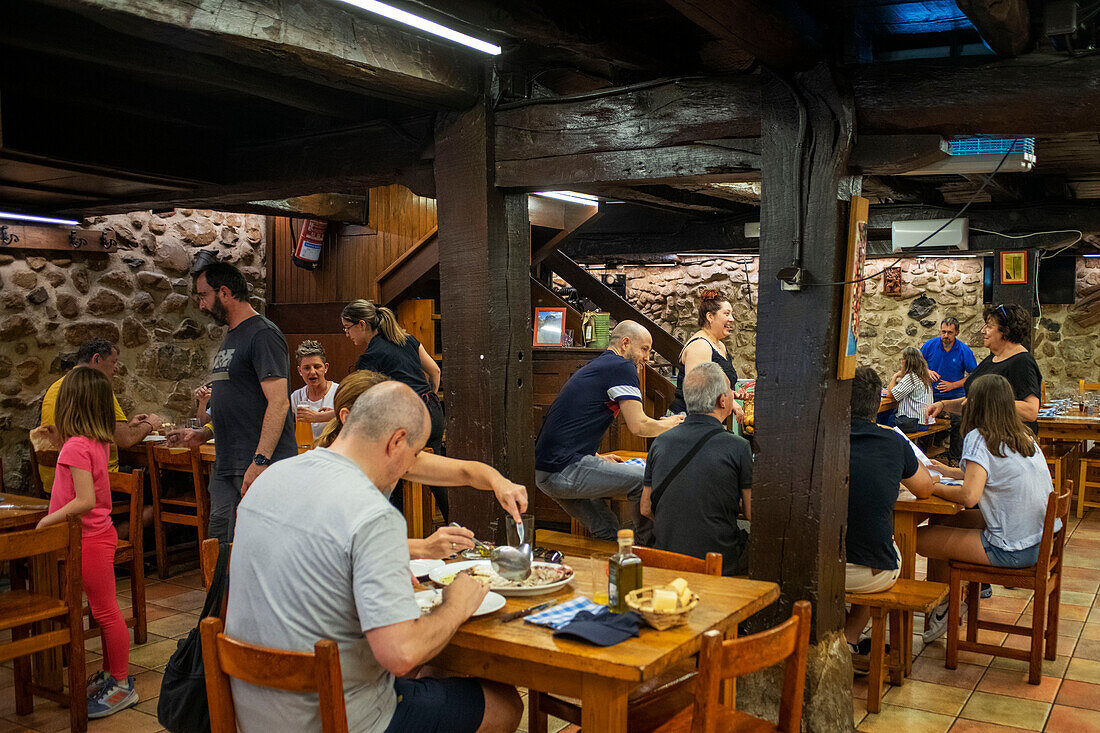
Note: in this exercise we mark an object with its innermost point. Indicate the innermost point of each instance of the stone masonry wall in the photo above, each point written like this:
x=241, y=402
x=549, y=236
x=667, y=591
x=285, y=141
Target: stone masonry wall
x=138, y=297
x=1064, y=344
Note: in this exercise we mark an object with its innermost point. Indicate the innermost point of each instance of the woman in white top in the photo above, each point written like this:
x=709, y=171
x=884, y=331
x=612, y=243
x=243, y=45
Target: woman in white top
x=313, y=402
x=1005, y=476
x=911, y=386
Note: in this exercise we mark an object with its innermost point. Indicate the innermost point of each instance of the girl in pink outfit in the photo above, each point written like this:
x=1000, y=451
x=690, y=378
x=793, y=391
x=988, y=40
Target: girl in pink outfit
x=85, y=422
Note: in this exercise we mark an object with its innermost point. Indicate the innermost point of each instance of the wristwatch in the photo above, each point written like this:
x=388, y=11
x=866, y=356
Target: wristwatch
x=261, y=460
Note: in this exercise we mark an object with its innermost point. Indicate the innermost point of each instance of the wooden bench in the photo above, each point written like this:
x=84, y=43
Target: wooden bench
x=906, y=596
x=572, y=544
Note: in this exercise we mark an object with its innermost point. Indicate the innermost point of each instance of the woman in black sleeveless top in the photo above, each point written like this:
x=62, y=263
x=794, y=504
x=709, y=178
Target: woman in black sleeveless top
x=706, y=344
x=391, y=351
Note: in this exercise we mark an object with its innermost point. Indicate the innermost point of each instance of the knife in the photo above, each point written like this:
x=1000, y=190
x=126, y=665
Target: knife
x=525, y=612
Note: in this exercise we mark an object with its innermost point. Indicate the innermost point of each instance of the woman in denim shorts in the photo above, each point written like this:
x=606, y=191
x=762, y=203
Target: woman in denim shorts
x=1005, y=476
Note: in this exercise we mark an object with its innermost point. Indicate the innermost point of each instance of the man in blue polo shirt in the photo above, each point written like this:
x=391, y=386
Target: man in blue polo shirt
x=949, y=361
x=566, y=465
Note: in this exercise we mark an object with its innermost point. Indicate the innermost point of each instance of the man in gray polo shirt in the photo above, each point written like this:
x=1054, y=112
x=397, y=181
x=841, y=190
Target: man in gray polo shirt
x=319, y=553
x=695, y=510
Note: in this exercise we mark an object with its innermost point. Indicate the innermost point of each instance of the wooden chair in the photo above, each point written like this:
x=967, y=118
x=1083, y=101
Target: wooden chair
x=1084, y=386
x=721, y=659
x=130, y=552
x=905, y=596
x=41, y=459
x=191, y=509
x=1044, y=578
x=1060, y=457
x=1088, y=489
x=43, y=617
x=208, y=559
x=667, y=692
x=317, y=672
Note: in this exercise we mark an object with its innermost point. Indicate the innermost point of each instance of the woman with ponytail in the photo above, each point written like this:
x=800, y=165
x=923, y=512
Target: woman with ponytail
x=429, y=468
x=396, y=354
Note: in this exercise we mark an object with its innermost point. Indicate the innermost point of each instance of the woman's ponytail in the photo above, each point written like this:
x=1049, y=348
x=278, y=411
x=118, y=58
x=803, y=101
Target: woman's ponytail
x=389, y=327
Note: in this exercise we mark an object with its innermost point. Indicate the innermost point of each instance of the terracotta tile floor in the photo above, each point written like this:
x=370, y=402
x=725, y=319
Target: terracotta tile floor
x=983, y=695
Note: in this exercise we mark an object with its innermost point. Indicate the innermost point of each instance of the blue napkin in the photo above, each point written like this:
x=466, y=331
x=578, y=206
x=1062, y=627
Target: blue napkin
x=563, y=613
x=602, y=628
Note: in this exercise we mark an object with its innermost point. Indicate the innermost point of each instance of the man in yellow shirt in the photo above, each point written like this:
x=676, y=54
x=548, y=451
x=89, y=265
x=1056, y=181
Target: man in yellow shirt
x=99, y=354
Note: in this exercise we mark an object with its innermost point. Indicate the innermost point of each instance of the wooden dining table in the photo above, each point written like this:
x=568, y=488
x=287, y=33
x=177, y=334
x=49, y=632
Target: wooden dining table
x=1073, y=425
x=909, y=512
x=519, y=653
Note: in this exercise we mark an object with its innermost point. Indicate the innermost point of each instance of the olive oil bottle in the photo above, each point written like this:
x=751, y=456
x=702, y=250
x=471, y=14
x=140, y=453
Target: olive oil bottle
x=624, y=572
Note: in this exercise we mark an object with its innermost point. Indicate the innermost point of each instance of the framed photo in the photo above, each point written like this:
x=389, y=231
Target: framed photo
x=549, y=326
x=853, y=288
x=1013, y=267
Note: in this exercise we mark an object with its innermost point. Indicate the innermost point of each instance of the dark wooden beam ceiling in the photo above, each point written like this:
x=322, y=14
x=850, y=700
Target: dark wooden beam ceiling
x=1005, y=25
x=779, y=33
x=313, y=40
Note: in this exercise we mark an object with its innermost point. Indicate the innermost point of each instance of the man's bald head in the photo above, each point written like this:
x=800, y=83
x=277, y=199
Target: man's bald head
x=632, y=341
x=386, y=408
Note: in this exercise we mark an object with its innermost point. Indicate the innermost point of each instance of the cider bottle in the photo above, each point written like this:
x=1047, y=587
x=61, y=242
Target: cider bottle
x=624, y=572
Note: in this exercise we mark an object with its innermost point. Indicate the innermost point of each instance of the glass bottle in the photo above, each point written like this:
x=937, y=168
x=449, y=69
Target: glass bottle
x=624, y=572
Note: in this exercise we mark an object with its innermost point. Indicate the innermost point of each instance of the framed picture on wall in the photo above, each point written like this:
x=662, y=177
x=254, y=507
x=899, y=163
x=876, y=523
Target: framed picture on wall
x=853, y=288
x=549, y=326
x=1013, y=267
x=891, y=281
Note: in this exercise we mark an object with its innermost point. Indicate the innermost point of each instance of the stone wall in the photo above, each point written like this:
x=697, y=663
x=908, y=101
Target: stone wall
x=138, y=297
x=932, y=288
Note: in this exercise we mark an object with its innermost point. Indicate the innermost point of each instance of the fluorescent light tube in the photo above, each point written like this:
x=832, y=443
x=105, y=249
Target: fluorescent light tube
x=37, y=219
x=401, y=16
x=571, y=196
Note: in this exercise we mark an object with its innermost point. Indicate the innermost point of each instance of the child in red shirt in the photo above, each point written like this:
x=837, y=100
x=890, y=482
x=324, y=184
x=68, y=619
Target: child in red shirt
x=85, y=421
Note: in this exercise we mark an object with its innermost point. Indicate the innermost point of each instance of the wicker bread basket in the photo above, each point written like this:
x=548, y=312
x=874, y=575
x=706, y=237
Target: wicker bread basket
x=641, y=602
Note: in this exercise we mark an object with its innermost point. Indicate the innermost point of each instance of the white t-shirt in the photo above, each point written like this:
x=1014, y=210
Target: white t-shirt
x=298, y=397
x=318, y=553
x=1014, y=502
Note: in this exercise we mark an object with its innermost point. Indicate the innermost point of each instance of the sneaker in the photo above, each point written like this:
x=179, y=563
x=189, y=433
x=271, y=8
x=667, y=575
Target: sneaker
x=114, y=697
x=986, y=591
x=937, y=622
x=96, y=682
x=861, y=656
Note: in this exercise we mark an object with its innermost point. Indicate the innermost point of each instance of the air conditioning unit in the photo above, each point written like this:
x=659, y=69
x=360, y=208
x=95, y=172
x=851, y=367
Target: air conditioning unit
x=930, y=234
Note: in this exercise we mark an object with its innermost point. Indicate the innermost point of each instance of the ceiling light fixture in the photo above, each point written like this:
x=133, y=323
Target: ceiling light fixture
x=571, y=196
x=37, y=219
x=428, y=26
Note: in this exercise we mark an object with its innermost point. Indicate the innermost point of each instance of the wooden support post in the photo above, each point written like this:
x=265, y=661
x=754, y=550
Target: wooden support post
x=800, y=487
x=485, y=303
x=800, y=496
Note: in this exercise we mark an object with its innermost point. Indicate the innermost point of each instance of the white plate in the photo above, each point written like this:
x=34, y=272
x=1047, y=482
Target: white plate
x=429, y=598
x=421, y=567
x=154, y=438
x=438, y=574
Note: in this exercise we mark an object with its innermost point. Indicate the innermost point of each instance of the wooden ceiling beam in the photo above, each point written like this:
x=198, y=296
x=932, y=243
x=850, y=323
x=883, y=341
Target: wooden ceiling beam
x=1004, y=218
x=313, y=40
x=1004, y=25
x=780, y=33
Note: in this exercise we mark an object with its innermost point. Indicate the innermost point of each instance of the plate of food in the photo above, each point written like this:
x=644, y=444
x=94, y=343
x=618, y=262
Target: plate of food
x=546, y=577
x=422, y=566
x=429, y=599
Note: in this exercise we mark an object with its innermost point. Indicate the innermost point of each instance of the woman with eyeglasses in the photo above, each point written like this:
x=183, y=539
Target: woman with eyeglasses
x=390, y=350
x=1007, y=328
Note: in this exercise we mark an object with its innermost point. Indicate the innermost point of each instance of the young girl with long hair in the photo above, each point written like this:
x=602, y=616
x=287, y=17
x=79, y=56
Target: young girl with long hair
x=85, y=423
x=911, y=386
x=1005, y=476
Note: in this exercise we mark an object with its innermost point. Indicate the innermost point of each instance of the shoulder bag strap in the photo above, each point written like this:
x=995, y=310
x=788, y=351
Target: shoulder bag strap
x=217, y=583
x=658, y=490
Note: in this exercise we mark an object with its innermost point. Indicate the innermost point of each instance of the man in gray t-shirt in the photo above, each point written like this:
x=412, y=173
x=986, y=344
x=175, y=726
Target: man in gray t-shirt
x=321, y=554
x=249, y=403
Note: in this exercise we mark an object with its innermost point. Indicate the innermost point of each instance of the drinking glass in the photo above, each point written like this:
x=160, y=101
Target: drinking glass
x=599, y=578
x=193, y=423
x=528, y=529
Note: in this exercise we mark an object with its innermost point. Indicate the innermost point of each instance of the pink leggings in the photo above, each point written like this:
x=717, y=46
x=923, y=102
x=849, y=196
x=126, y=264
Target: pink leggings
x=98, y=571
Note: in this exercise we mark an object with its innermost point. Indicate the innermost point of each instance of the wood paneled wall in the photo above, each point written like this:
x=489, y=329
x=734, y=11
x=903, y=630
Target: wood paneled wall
x=306, y=304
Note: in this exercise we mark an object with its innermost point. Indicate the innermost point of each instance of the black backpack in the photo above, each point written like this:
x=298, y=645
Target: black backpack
x=182, y=707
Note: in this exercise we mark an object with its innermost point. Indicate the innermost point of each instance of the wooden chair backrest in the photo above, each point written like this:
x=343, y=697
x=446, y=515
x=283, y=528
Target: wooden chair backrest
x=47, y=458
x=666, y=560
x=720, y=660
x=61, y=540
x=133, y=485
x=1042, y=393
x=1088, y=386
x=177, y=459
x=1052, y=545
x=208, y=559
x=317, y=671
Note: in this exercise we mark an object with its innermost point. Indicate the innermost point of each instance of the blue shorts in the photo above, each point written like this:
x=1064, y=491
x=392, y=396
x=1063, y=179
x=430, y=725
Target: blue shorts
x=1010, y=558
x=430, y=705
